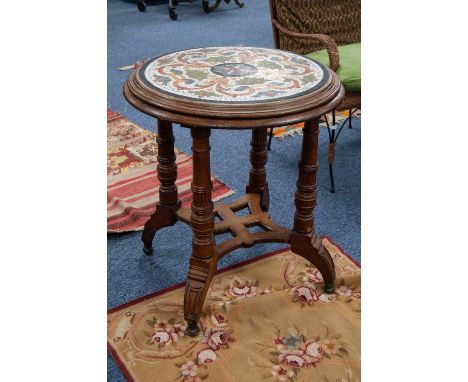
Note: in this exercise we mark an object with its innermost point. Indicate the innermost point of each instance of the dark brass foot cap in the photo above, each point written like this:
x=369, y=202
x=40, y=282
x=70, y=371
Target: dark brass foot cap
x=192, y=330
x=329, y=288
x=148, y=251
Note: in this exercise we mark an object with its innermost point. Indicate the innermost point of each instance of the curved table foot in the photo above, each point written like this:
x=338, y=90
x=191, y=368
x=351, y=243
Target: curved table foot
x=312, y=249
x=199, y=278
x=164, y=216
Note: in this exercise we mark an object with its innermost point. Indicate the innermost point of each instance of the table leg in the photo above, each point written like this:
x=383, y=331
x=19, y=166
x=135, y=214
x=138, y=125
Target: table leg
x=304, y=242
x=258, y=158
x=169, y=203
x=202, y=263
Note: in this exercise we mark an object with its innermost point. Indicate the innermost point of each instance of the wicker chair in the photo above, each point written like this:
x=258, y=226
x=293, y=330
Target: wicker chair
x=309, y=26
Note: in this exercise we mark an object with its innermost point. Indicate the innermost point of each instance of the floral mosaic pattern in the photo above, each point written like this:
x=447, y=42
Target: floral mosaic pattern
x=233, y=74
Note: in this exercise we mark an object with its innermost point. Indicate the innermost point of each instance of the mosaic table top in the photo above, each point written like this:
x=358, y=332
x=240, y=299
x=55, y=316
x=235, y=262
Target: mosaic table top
x=233, y=74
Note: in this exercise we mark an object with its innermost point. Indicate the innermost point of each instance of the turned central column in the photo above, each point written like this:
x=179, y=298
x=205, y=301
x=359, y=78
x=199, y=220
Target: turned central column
x=305, y=197
x=202, y=219
x=202, y=263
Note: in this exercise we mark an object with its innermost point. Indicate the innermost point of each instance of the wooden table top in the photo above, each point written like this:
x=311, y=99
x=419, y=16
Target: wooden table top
x=233, y=87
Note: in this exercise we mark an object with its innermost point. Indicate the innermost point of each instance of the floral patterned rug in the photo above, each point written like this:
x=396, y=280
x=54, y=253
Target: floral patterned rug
x=132, y=183
x=266, y=319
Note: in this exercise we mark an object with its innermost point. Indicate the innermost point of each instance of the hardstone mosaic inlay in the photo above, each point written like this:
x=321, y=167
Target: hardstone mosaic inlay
x=233, y=74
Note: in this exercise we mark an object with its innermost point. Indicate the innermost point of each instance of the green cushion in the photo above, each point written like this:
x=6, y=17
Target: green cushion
x=349, y=70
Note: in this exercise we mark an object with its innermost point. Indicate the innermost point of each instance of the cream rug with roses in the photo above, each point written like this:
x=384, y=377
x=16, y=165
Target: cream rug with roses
x=263, y=320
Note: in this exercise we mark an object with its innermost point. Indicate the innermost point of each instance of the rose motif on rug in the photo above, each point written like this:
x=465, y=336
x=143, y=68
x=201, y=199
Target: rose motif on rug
x=227, y=291
x=290, y=354
x=154, y=332
x=165, y=332
x=305, y=283
x=214, y=340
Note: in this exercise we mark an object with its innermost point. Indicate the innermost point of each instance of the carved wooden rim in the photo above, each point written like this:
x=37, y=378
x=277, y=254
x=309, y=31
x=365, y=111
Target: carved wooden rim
x=234, y=116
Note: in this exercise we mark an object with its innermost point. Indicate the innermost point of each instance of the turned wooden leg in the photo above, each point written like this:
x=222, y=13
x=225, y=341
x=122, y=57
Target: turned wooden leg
x=258, y=158
x=202, y=263
x=304, y=242
x=169, y=203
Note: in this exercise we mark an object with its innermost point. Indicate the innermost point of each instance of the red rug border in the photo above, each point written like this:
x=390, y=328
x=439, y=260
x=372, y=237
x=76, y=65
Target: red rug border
x=355, y=262
x=112, y=351
x=119, y=363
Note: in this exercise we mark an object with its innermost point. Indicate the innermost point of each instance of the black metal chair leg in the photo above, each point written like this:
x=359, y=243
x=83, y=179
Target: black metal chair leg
x=331, y=152
x=333, y=134
x=350, y=126
x=141, y=5
x=172, y=9
x=270, y=138
x=332, y=179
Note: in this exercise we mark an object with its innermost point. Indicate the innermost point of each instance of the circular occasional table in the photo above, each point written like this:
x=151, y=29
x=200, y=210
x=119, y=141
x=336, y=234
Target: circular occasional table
x=234, y=88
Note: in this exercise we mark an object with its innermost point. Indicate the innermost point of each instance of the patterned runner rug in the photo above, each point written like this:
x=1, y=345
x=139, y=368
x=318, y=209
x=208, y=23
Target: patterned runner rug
x=132, y=183
x=266, y=319
x=285, y=131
